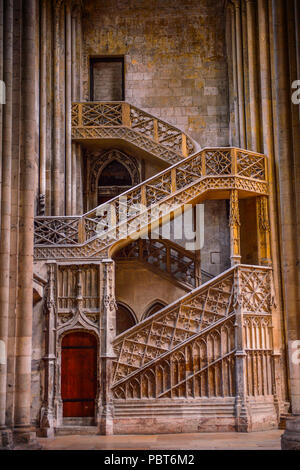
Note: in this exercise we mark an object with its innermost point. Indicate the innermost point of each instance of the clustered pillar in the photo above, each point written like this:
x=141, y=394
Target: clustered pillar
x=264, y=56
x=18, y=196
x=107, y=355
x=61, y=158
x=6, y=210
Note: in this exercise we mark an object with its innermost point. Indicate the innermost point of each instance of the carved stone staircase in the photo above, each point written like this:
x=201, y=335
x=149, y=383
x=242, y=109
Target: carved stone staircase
x=167, y=258
x=204, y=362
x=121, y=122
x=184, y=361
x=98, y=233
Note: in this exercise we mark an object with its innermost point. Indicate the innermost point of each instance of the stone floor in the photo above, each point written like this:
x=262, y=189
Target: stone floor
x=267, y=440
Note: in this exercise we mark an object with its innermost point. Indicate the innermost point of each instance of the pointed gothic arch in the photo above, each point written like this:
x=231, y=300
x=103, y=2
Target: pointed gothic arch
x=110, y=174
x=125, y=318
x=154, y=307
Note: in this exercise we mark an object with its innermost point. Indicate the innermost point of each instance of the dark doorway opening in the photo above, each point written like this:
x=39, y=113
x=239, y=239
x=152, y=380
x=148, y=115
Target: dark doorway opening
x=114, y=180
x=107, y=79
x=79, y=374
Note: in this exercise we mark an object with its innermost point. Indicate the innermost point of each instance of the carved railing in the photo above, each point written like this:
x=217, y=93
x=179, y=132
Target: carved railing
x=90, y=235
x=100, y=120
x=192, y=348
x=167, y=257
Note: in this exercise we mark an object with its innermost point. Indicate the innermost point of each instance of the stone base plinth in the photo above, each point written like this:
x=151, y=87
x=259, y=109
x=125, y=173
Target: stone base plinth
x=6, y=439
x=190, y=416
x=25, y=439
x=290, y=439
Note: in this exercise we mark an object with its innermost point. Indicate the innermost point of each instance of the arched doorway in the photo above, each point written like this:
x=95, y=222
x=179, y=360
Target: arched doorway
x=79, y=374
x=113, y=180
x=124, y=319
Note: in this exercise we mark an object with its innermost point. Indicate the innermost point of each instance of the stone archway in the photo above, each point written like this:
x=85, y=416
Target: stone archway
x=103, y=183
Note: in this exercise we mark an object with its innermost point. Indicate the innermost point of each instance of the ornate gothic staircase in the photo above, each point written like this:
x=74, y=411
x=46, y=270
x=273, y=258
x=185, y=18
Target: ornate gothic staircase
x=167, y=258
x=98, y=233
x=122, y=122
x=211, y=345
x=204, y=362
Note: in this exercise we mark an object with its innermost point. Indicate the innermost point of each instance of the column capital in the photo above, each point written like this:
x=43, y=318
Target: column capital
x=76, y=7
x=236, y=3
x=58, y=4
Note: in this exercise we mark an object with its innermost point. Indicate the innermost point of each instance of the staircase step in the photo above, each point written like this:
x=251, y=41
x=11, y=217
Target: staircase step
x=76, y=430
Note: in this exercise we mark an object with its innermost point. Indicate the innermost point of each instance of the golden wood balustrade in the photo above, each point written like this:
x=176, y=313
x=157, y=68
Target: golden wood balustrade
x=167, y=257
x=194, y=347
x=120, y=120
x=210, y=173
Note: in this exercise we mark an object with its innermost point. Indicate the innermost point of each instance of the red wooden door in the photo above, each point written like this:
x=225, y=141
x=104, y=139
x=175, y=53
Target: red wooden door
x=79, y=374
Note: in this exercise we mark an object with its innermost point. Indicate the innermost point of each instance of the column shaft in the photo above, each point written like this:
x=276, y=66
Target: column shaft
x=240, y=74
x=234, y=223
x=284, y=152
x=68, y=102
x=57, y=111
x=27, y=198
x=252, y=74
x=43, y=106
x=234, y=76
x=108, y=333
x=74, y=178
x=6, y=201
x=263, y=231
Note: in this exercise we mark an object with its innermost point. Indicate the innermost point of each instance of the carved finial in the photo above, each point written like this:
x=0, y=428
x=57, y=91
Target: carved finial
x=234, y=218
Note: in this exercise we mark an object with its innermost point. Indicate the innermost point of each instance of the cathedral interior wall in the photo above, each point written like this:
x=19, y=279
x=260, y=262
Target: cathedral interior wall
x=175, y=60
x=138, y=287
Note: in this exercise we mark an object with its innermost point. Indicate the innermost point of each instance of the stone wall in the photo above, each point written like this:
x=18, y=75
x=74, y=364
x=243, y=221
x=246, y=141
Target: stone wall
x=138, y=288
x=215, y=254
x=175, y=59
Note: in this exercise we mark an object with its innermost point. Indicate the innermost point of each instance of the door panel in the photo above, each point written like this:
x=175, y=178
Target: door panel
x=79, y=374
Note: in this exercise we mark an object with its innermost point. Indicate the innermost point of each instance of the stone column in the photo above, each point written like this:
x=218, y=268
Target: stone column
x=297, y=37
x=107, y=334
x=287, y=121
x=79, y=187
x=240, y=73
x=284, y=152
x=198, y=273
x=234, y=75
x=243, y=423
x=1, y=78
x=234, y=224
x=74, y=98
x=268, y=149
x=68, y=104
x=263, y=231
x=47, y=411
x=43, y=107
x=74, y=55
x=28, y=171
x=57, y=109
x=79, y=52
x=253, y=78
x=6, y=212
